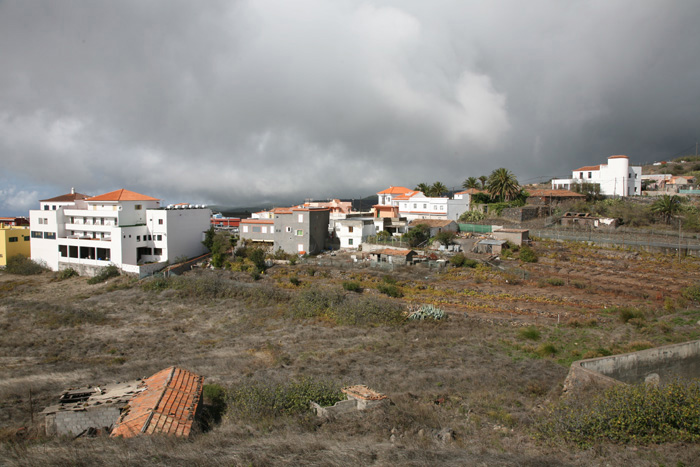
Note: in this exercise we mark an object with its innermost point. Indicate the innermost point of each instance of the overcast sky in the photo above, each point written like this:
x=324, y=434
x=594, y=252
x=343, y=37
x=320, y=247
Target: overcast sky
x=247, y=102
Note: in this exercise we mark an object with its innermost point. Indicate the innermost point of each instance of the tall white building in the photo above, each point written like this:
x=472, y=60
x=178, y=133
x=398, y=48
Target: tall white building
x=124, y=228
x=616, y=178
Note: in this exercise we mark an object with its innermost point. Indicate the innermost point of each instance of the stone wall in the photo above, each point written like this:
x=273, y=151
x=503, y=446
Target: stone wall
x=74, y=422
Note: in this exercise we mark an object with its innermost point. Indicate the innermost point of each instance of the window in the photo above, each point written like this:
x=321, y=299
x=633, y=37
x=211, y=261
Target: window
x=288, y=229
x=350, y=241
x=590, y=174
x=46, y=221
x=245, y=229
x=629, y=175
x=63, y=250
x=159, y=237
x=264, y=229
x=425, y=206
x=350, y=229
x=138, y=238
x=137, y=207
x=158, y=251
x=415, y=205
x=580, y=175
x=160, y=221
x=41, y=221
x=72, y=251
x=53, y=207
x=37, y=235
x=13, y=239
x=46, y=207
x=50, y=235
x=300, y=247
x=256, y=229
x=300, y=218
x=26, y=238
x=299, y=233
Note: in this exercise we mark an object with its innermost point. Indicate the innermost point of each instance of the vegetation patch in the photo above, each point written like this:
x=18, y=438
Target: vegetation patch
x=352, y=286
x=66, y=274
x=332, y=305
x=23, y=266
x=105, y=273
x=638, y=413
x=527, y=255
x=459, y=261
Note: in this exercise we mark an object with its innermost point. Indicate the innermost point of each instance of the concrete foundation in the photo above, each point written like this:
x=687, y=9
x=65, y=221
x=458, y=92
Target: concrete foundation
x=653, y=366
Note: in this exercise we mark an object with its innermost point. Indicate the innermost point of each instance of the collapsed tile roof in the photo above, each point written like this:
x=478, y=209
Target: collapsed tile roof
x=360, y=391
x=167, y=405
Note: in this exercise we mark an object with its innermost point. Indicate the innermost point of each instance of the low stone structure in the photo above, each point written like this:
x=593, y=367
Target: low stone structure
x=651, y=365
x=359, y=397
x=515, y=236
x=393, y=255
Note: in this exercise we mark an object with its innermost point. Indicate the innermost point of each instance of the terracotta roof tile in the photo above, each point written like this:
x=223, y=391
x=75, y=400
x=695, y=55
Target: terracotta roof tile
x=618, y=157
x=395, y=190
x=555, y=193
x=471, y=191
x=391, y=252
x=167, y=405
x=122, y=195
x=65, y=198
x=587, y=167
x=432, y=222
x=257, y=221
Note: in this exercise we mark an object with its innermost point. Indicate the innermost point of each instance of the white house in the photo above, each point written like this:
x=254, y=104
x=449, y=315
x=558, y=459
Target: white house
x=616, y=178
x=124, y=228
x=353, y=231
x=410, y=204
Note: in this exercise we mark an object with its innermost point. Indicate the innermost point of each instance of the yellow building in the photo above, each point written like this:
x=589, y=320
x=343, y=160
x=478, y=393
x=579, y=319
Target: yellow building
x=13, y=241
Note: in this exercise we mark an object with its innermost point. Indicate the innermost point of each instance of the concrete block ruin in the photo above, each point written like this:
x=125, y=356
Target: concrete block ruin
x=653, y=366
x=359, y=397
x=167, y=402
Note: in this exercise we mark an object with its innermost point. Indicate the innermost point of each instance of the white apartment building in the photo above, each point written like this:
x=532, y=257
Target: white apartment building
x=124, y=228
x=616, y=178
x=412, y=205
x=353, y=231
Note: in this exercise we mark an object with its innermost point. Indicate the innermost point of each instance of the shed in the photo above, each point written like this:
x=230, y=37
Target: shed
x=516, y=236
x=436, y=225
x=392, y=255
x=490, y=246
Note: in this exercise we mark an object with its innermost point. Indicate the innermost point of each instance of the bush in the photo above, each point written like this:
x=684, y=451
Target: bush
x=527, y=255
x=294, y=281
x=265, y=401
x=427, y=312
x=546, y=350
x=389, y=280
x=459, y=260
x=691, y=293
x=555, y=281
x=66, y=274
x=214, y=407
x=628, y=313
x=638, y=413
x=390, y=290
x=336, y=307
x=105, y=273
x=530, y=332
x=23, y=266
x=352, y=286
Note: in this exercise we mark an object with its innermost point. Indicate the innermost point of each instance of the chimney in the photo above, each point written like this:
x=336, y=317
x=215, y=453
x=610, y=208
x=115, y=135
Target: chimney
x=72, y=190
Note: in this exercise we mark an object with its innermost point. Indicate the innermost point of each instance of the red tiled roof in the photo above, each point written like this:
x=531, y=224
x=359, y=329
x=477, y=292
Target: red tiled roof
x=395, y=190
x=618, y=157
x=360, y=391
x=166, y=406
x=65, y=198
x=555, y=193
x=408, y=195
x=471, y=191
x=122, y=195
x=310, y=209
x=587, y=167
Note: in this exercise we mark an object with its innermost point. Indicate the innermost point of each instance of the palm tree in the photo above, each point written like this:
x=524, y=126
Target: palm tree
x=667, y=207
x=503, y=184
x=471, y=182
x=438, y=189
x=483, y=179
x=423, y=187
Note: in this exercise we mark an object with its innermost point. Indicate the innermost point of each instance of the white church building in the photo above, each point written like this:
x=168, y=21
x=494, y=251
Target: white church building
x=127, y=229
x=616, y=178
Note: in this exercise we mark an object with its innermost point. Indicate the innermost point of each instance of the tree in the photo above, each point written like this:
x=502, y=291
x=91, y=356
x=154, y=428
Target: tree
x=503, y=184
x=446, y=238
x=483, y=179
x=667, y=207
x=417, y=235
x=424, y=188
x=438, y=189
x=471, y=182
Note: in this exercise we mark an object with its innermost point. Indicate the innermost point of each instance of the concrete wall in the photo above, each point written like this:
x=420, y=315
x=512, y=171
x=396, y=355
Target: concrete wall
x=658, y=364
x=74, y=422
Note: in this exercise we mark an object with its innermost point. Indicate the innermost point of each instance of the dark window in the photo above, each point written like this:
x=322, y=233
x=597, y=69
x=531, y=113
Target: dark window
x=63, y=250
x=50, y=235
x=159, y=237
x=160, y=221
x=589, y=174
x=26, y=238
x=46, y=207
x=13, y=239
x=103, y=254
x=158, y=251
x=138, y=238
x=37, y=235
x=256, y=229
x=73, y=251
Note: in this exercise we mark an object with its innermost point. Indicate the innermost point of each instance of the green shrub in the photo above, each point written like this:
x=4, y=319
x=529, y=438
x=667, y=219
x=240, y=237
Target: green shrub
x=528, y=255
x=264, y=400
x=214, y=397
x=23, y=266
x=333, y=305
x=459, y=260
x=529, y=332
x=555, y=281
x=639, y=413
x=352, y=286
x=628, y=313
x=427, y=312
x=579, y=284
x=546, y=350
x=69, y=317
x=105, y=273
x=691, y=293
x=390, y=290
x=294, y=281
x=155, y=284
x=389, y=280
x=66, y=274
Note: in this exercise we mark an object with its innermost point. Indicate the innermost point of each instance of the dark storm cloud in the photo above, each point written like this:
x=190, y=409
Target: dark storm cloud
x=244, y=102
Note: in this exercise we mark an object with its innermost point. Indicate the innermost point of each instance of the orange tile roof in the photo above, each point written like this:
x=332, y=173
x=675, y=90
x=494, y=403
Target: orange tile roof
x=408, y=195
x=432, y=222
x=167, y=405
x=587, y=167
x=395, y=190
x=360, y=391
x=555, y=193
x=122, y=195
x=618, y=157
x=257, y=221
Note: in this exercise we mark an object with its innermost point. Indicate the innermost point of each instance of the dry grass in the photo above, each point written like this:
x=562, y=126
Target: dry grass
x=474, y=373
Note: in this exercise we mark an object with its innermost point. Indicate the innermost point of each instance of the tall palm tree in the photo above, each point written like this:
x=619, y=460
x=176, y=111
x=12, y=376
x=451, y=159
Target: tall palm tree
x=667, y=206
x=471, y=182
x=503, y=184
x=438, y=189
x=424, y=188
x=483, y=179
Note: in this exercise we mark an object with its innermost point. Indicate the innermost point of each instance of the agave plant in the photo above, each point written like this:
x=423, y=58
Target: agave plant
x=427, y=312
